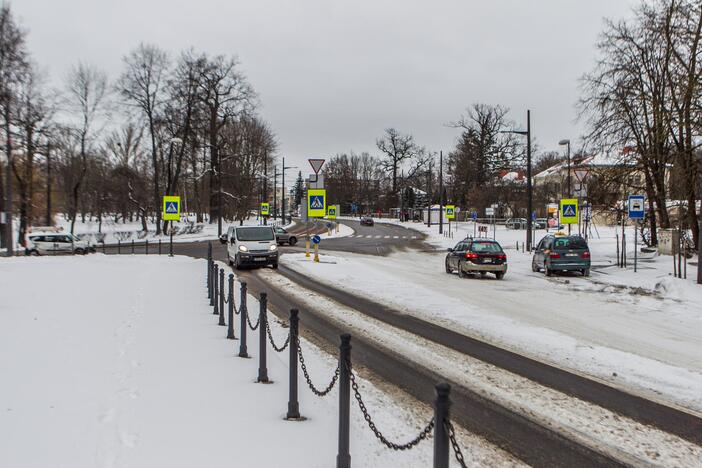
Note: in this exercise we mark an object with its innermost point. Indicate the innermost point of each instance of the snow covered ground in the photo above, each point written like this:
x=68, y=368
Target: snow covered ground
x=641, y=331
x=117, y=361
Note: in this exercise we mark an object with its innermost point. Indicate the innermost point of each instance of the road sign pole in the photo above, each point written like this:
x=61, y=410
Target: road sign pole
x=170, y=242
x=636, y=254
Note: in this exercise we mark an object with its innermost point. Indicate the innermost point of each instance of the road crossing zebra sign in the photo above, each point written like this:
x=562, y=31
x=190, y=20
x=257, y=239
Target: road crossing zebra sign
x=171, y=208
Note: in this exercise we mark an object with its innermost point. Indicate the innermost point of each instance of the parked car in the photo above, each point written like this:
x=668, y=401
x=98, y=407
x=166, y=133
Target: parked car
x=477, y=256
x=51, y=243
x=367, y=221
x=251, y=245
x=561, y=253
x=540, y=223
x=284, y=237
x=516, y=223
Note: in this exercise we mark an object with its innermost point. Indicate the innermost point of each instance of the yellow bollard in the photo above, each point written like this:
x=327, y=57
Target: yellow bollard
x=307, y=248
x=316, y=253
x=337, y=227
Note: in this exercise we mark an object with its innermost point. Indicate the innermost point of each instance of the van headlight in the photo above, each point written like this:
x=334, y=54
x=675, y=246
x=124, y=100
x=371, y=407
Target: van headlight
x=273, y=247
x=243, y=248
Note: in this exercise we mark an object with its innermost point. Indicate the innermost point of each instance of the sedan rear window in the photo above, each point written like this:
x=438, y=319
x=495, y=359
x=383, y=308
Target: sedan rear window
x=566, y=243
x=255, y=234
x=486, y=247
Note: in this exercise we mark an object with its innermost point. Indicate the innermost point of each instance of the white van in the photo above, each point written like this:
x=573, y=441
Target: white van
x=52, y=243
x=251, y=245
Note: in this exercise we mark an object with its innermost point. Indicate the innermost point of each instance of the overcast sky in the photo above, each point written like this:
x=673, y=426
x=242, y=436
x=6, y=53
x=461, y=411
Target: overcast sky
x=332, y=74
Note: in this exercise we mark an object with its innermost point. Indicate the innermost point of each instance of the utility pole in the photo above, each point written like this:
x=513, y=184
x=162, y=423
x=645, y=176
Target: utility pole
x=48, y=184
x=530, y=199
x=282, y=200
x=570, y=191
x=275, y=192
x=9, y=243
x=429, y=195
x=265, y=183
x=219, y=195
x=441, y=192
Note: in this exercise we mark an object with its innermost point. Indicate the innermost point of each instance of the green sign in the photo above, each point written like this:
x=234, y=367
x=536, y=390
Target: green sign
x=171, y=208
x=450, y=211
x=265, y=209
x=569, y=211
x=316, y=203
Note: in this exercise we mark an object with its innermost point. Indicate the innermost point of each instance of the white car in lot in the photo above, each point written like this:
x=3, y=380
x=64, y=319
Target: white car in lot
x=251, y=245
x=52, y=243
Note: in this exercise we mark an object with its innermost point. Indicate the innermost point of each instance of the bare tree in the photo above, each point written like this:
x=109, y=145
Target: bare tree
x=398, y=148
x=141, y=84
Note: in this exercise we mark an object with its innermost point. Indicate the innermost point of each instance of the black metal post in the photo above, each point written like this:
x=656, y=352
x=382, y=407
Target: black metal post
x=262, y=319
x=221, y=298
x=442, y=405
x=343, y=457
x=209, y=282
x=170, y=242
x=209, y=250
x=104, y=248
x=230, y=323
x=119, y=246
x=215, y=291
x=293, y=404
x=132, y=246
x=441, y=194
x=530, y=197
x=146, y=249
x=243, y=352
x=159, y=246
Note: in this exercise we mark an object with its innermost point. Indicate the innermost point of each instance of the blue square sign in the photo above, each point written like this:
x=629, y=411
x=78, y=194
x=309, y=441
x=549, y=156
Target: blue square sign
x=636, y=207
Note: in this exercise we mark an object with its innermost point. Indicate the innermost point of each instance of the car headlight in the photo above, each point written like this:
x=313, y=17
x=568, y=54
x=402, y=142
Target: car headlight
x=273, y=247
x=243, y=248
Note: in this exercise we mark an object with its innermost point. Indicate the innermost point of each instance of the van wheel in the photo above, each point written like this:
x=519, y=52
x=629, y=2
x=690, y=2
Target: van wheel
x=499, y=275
x=80, y=252
x=229, y=260
x=237, y=264
x=34, y=253
x=586, y=272
x=534, y=268
x=292, y=241
x=548, y=271
x=275, y=265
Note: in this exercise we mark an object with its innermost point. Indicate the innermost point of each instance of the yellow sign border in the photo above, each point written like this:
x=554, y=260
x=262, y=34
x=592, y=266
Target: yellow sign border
x=171, y=216
x=332, y=207
x=450, y=216
x=265, y=209
x=569, y=219
x=319, y=212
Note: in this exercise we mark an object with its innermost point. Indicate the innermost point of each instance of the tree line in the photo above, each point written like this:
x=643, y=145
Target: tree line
x=170, y=124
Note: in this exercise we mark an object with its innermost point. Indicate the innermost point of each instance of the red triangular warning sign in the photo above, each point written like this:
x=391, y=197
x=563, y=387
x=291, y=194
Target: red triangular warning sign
x=316, y=164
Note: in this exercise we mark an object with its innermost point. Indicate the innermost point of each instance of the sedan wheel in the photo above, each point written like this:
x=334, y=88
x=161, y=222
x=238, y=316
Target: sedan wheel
x=448, y=268
x=292, y=241
x=461, y=273
x=534, y=268
x=548, y=271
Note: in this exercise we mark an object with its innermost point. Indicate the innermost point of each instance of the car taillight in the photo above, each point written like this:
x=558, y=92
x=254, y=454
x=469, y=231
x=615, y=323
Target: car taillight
x=471, y=256
x=585, y=254
x=554, y=255
x=502, y=257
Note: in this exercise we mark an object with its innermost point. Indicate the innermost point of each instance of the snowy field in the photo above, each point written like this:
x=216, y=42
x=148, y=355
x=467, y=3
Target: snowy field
x=640, y=331
x=111, y=361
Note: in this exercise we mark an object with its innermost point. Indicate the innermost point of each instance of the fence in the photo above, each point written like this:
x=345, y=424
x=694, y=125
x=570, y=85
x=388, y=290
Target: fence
x=344, y=377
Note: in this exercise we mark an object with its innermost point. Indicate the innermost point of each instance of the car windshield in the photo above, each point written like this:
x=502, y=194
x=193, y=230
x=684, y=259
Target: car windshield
x=486, y=247
x=255, y=234
x=567, y=243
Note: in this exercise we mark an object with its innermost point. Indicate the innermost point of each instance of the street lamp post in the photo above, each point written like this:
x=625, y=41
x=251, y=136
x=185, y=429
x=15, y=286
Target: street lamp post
x=441, y=192
x=530, y=200
x=570, y=192
x=282, y=201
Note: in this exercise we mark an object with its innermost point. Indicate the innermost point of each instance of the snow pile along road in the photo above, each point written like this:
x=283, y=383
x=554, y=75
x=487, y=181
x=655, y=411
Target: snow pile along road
x=118, y=361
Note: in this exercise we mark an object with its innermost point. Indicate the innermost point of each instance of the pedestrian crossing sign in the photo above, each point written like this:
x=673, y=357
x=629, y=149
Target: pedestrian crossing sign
x=171, y=208
x=316, y=203
x=450, y=211
x=569, y=211
x=331, y=212
x=265, y=209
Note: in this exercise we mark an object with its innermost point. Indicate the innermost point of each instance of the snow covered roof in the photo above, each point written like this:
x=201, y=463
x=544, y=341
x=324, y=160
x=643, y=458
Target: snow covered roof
x=595, y=161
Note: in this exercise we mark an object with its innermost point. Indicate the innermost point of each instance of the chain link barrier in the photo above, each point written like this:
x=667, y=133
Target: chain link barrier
x=314, y=389
x=278, y=349
x=454, y=443
x=423, y=434
x=252, y=327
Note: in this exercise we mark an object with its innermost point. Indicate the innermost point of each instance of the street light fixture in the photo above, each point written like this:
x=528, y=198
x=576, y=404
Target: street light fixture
x=566, y=143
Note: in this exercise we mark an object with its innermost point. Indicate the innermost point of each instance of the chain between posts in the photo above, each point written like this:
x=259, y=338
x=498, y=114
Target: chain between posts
x=423, y=434
x=454, y=443
x=278, y=349
x=314, y=389
x=253, y=327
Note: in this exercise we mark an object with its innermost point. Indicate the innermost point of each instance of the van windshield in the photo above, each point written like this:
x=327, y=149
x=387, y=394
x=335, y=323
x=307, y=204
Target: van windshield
x=255, y=234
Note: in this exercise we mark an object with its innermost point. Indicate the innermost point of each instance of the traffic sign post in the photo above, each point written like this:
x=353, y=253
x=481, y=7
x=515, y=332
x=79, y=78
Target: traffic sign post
x=636, y=204
x=171, y=212
x=265, y=209
x=316, y=240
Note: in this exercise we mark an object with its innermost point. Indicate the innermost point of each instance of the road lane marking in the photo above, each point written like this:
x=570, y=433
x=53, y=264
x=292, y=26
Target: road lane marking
x=395, y=237
x=387, y=237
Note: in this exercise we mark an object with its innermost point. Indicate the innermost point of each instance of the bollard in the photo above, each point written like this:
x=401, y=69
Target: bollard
x=293, y=404
x=132, y=246
x=147, y=247
x=215, y=291
x=159, y=246
x=343, y=457
x=230, y=328
x=103, y=247
x=209, y=282
x=243, y=352
x=221, y=298
x=262, y=319
x=119, y=246
x=209, y=250
x=442, y=405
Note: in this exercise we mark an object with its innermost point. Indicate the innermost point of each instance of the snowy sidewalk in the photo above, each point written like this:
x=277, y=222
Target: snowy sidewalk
x=118, y=361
